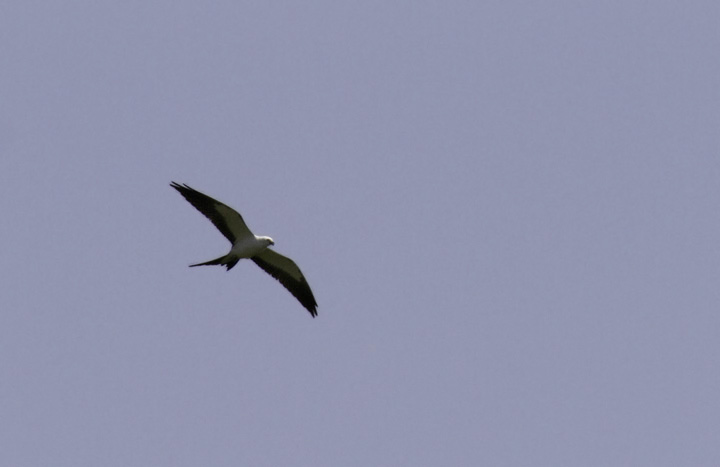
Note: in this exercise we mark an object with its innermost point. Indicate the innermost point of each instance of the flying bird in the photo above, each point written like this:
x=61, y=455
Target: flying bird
x=247, y=245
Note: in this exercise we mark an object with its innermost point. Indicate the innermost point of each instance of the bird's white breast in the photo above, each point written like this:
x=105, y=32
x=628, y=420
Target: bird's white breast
x=248, y=247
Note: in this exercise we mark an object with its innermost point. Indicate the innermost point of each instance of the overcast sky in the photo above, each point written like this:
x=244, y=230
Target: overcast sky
x=508, y=211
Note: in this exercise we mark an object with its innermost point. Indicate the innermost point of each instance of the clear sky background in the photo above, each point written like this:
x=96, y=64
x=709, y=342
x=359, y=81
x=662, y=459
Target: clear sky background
x=509, y=213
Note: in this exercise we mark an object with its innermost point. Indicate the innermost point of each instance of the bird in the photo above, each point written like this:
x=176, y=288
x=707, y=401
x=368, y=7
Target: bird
x=247, y=245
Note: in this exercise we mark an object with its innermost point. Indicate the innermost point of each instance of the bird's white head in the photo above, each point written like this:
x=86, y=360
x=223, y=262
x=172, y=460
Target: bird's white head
x=267, y=240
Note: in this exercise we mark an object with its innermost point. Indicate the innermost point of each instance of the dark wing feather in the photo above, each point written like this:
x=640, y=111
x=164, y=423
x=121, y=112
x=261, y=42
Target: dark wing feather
x=226, y=219
x=288, y=273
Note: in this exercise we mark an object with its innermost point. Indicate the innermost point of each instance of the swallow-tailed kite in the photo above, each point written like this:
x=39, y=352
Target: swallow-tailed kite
x=246, y=245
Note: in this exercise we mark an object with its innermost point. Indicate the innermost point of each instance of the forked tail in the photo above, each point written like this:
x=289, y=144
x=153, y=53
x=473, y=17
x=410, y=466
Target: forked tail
x=226, y=261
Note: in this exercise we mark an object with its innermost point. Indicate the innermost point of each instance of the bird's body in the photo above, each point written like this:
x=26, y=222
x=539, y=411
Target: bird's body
x=246, y=245
x=250, y=246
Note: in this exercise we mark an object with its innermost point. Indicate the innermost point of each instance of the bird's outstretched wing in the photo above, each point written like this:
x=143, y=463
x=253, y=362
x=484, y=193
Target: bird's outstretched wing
x=288, y=273
x=226, y=219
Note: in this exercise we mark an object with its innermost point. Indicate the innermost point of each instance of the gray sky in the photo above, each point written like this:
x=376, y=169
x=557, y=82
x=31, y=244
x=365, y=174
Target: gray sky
x=507, y=211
